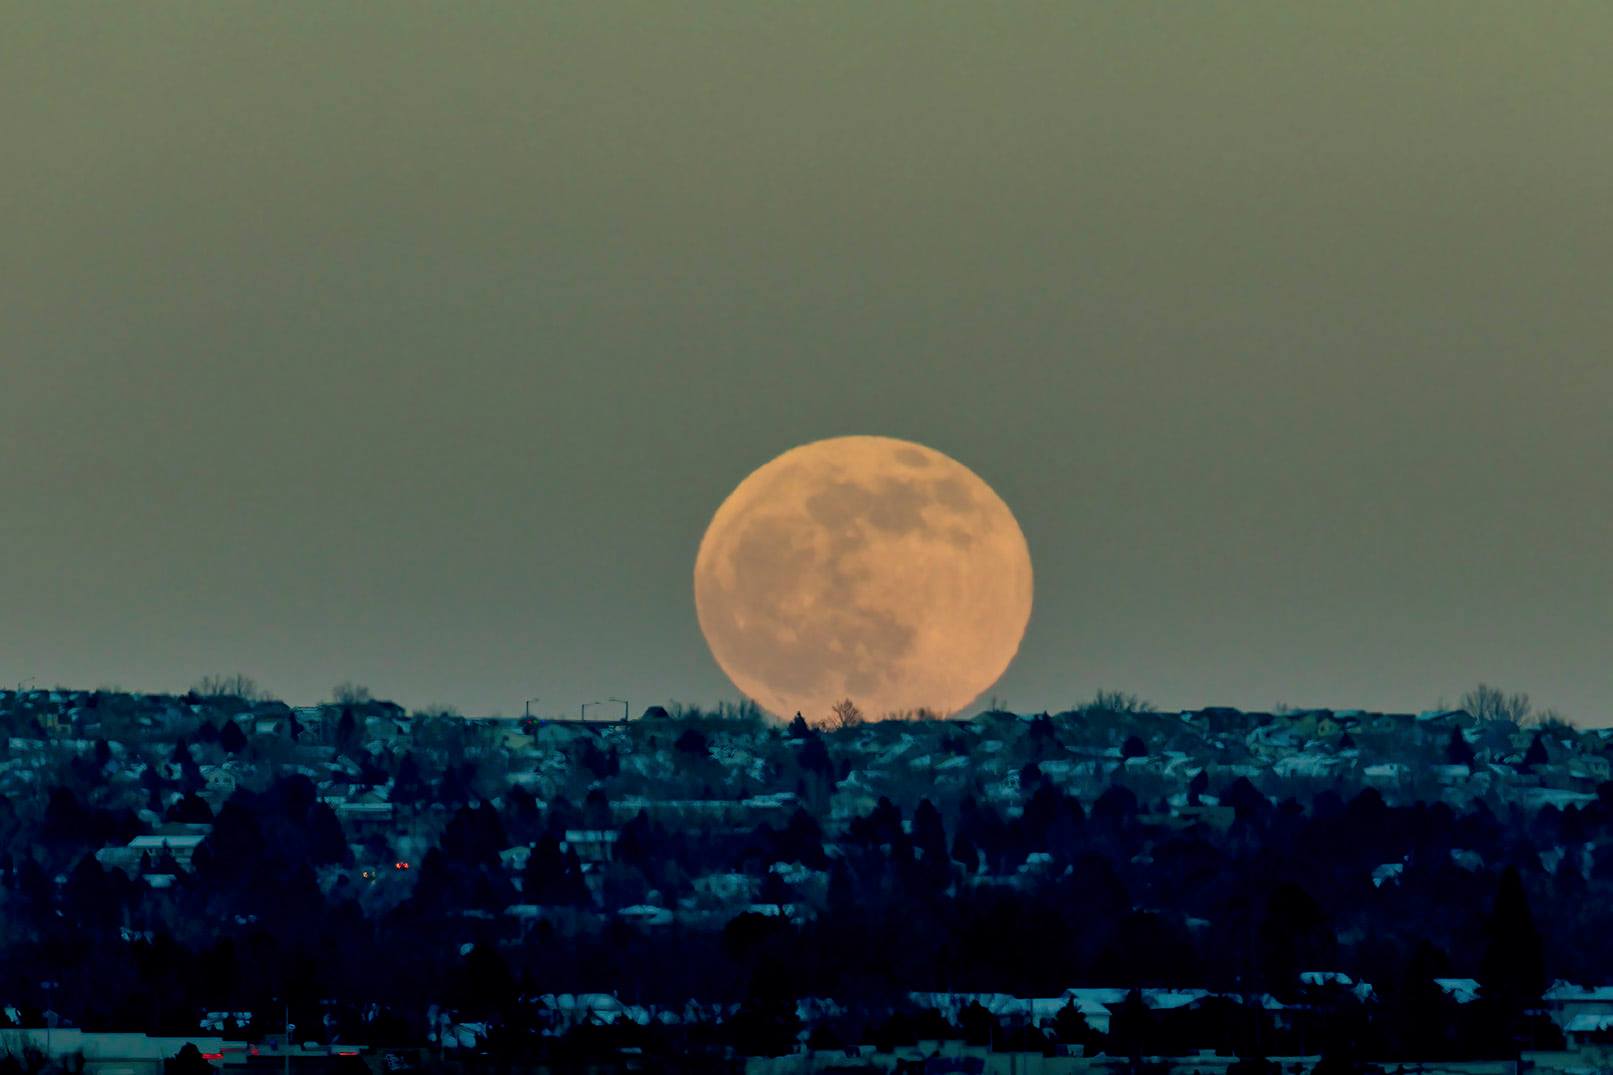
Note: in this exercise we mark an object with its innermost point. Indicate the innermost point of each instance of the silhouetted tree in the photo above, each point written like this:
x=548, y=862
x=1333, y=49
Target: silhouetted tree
x=191, y=809
x=1294, y=935
x=1457, y=751
x=1133, y=1029
x=346, y=728
x=1070, y=1026
x=692, y=742
x=188, y=1061
x=977, y=1025
x=1512, y=974
x=1491, y=703
x=1536, y=754
x=408, y=785
x=231, y=739
x=844, y=714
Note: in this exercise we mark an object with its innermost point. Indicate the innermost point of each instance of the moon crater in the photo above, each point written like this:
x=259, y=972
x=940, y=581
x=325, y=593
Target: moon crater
x=863, y=567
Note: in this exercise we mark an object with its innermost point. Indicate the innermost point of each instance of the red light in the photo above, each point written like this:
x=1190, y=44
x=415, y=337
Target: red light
x=400, y=865
x=347, y=1052
x=212, y=1056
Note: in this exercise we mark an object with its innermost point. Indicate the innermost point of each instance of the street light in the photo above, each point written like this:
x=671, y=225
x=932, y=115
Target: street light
x=624, y=707
x=582, y=710
x=529, y=702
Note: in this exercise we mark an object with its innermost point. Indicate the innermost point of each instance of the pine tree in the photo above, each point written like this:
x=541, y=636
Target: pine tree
x=1512, y=974
x=1457, y=751
x=231, y=739
x=1536, y=754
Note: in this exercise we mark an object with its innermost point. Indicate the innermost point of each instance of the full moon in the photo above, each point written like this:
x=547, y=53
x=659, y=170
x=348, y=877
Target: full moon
x=866, y=568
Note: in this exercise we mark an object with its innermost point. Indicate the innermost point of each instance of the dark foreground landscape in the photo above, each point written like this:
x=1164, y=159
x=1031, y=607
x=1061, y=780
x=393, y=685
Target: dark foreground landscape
x=184, y=877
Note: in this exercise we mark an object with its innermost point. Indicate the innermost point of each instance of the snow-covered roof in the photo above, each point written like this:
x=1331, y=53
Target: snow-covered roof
x=1589, y=1023
x=1567, y=991
x=1462, y=990
x=174, y=842
x=1389, y=871
x=647, y=913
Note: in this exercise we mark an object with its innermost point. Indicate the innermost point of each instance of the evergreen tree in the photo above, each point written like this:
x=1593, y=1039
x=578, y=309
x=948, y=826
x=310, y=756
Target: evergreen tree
x=1536, y=754
x=188, y=1061
x=1457, y=751
x=1070, y=1025
x=1512, y=974
x=231, y=739
x=693, y=743
x=408, y=785
x=346, y=728
x=1198, y=786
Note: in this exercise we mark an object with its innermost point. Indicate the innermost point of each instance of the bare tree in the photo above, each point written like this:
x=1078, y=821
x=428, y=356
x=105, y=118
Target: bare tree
x=349, y=693
x=744, y=709
x=1492, y=703
x=1554, y=722
x=844, y=714
x=1118, y=702
x=232, y=686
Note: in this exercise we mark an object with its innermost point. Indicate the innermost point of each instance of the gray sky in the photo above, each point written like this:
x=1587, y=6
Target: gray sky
x=416, y=344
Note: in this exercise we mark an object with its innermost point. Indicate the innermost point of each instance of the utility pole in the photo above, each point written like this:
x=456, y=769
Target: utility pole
x=529, y=702
x=624, y=707
x=50, y=1016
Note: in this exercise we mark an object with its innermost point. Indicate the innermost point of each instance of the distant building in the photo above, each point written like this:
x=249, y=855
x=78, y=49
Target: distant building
x=179, y=841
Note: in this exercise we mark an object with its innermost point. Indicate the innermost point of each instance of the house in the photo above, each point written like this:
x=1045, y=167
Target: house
x=1590, y=768
x=386, y=728
x=592, y=845
x=112, y=1053
x=524, y=917
x=367, y=812
x=1445, y=719
x=180, y=842
x=1385, y=774
x=1589, y=1029
x=1390, y=723
x=645, y=914
x=219, y=781
x=1305, y=722
x=1212, y=814
x=268, y=725
x=181, y=845
x=559, y=735
x=1461, y=990
x=1306, y=765
x=1566, y=1002
x=1224, y=721
x=1389, y=871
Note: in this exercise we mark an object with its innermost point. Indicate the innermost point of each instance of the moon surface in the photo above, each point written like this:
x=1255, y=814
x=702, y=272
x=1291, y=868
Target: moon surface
x=867, y=568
